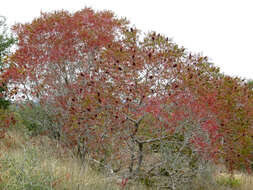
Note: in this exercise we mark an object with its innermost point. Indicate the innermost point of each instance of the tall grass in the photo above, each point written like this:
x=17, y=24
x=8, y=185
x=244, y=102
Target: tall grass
x=40, y=163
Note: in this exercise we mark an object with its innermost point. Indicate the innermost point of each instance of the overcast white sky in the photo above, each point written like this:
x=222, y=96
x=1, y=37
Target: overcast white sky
x=220, y=29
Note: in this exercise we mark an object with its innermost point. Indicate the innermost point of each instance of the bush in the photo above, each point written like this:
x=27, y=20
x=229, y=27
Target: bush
x=179, y=164
x=36, y=120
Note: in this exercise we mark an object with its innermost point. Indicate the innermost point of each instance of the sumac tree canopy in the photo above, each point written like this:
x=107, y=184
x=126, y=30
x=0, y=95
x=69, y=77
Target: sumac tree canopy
x=118, y=93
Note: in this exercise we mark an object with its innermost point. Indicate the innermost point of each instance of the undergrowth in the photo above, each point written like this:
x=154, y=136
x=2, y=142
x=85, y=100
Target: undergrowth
x=40, y=163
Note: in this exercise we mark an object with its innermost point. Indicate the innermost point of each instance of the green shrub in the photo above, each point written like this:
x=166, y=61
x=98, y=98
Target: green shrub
x=36, y=120
x=179, y=163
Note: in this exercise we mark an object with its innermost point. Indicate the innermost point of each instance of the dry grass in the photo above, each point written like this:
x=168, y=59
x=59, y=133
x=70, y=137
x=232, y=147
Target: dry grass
x=40, y=163
x=238, y=180
x=44, y=164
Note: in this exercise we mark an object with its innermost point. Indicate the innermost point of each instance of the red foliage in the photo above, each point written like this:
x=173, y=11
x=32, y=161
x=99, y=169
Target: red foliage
x=102, y=81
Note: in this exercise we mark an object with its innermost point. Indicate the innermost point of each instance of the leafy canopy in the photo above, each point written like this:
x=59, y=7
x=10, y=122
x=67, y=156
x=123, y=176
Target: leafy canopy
x=116, y=93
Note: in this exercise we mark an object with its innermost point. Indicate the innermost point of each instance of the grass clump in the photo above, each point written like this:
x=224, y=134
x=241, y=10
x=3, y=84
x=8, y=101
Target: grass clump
x=22, y=171
x=229, y=181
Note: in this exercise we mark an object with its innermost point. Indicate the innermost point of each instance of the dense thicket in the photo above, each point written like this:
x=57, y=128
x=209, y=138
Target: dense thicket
x=145, y=104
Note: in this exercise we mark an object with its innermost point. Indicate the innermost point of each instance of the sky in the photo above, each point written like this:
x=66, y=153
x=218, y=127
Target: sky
x=219, y=29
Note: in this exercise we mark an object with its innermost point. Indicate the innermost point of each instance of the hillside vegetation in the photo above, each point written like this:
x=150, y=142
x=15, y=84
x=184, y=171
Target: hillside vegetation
x=40, y=163
x=87, y=101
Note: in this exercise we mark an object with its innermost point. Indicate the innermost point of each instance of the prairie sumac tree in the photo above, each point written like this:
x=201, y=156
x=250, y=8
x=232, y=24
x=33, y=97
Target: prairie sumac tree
x=231, y=100
x=235, y=102
x=115, y=95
